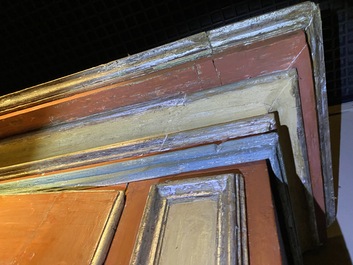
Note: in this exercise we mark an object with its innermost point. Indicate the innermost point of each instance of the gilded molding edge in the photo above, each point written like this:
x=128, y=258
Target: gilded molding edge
x=109, y=230
x=242, y=150
x=163, y=57
x=304, y=16
x=247, y=149
x=111, y=73
x=315, y=40
x=137, y=65
x=143, y=147
x=284, y=82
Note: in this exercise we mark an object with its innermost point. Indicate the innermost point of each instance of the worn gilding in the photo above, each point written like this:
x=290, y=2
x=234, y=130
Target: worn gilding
x=305, y=16
x=176, y=229
x=151, y=126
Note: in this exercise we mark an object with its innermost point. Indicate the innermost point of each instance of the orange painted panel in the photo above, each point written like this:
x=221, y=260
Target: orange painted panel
x=124, y=239
x=264, y=238
x=53, y=228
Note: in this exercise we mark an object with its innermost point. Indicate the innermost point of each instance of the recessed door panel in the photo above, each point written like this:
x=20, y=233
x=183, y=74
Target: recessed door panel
x=194, y=221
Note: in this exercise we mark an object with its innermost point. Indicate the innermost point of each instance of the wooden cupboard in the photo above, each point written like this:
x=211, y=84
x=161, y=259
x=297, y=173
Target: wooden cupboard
x=250, y=91
x=93, y=226
x=262, y=246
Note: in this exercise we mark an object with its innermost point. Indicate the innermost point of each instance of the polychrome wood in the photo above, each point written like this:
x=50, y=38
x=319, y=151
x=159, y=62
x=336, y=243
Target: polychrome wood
x=199, y=221
x=91, y=118
x=71, y=227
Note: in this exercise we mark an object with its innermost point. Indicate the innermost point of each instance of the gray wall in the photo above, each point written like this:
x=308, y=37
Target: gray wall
x=342, y=136
x=338, y=249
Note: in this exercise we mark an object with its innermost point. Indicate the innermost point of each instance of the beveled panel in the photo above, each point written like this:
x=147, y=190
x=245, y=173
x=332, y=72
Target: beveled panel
x=190, y=233
x=194, y=221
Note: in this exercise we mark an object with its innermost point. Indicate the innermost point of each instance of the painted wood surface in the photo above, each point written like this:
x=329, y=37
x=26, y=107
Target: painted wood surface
x=261, y=58
x=194, y=221
x=284, y=40
x=247, y=149
x=277, y=92
x=190, y=234
x=124, y=238
x=253, y=67
x=300, y=17
x=237, y=101
x=111, y=139
x=58, y=228
x=249, y=71
x=265, y=243
x=137, y=148
x=305, y=16
x=197, y=158
x=262, y=215
x=76, y=146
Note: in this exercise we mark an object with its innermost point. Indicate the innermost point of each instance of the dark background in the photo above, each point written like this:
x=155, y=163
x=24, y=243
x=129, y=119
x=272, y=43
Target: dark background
x=42, y=39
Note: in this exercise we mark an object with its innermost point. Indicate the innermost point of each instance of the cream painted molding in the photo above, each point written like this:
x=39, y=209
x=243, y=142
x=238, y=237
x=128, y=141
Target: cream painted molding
x=59, y=147
x=102, y=138
x=260, y=146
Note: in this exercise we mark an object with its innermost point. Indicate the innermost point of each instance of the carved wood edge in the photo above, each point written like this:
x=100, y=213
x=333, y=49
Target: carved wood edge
x=305, y=16
x=145, y=147
x=241, y=150
x=107, y=235
x=226, y=190
x=298, y=17
x=142, y=147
